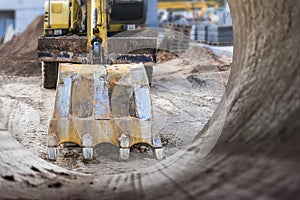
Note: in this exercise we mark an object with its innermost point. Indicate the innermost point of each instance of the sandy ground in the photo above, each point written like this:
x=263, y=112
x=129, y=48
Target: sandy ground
x=184, y=97
x=185, y=92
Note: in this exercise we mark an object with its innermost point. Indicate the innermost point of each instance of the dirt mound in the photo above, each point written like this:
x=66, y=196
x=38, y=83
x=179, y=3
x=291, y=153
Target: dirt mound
x=202, y=59
x=198, y=54
x=19, y=56
x=164, y=56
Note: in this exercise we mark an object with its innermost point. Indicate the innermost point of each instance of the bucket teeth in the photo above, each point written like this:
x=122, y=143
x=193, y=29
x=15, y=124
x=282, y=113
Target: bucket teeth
x=159, y=153
x=124, y=141
x=102, y=104
x=88, y=153
x=124, y=154
x=51, y=153
x=87, y=140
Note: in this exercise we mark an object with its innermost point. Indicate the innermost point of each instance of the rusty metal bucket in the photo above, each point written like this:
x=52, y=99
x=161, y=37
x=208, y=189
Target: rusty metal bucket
x=103, y=104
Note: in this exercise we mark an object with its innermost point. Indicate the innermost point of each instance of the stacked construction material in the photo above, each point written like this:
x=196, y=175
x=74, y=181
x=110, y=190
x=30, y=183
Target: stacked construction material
x=194, y=33
x=219, y=34
x=212, y=34
x=202, y=33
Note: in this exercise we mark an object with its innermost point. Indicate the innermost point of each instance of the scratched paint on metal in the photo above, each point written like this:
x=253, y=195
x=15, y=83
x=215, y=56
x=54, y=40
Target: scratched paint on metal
x=62, y=104
x=63, y=128
x=121, y=100
x=83, y=97
x=106, y=132
x=105, y=103
x=143, y=103
x=101, y=101
x=119, y=74
x=138, y=76
x=134, y=127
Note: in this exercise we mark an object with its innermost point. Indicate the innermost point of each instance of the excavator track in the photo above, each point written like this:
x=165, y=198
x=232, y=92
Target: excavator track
x=50, y=71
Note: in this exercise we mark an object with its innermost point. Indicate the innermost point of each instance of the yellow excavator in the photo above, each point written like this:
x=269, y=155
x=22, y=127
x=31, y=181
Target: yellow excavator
x=65, y=39
x=102, y=87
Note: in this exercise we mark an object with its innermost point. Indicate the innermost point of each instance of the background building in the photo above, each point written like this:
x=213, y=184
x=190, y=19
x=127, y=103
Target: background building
x=19, y=13
x=152, y=18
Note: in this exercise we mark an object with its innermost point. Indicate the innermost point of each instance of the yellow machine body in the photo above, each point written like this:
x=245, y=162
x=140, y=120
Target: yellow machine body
x=63, y=16
x=56, y=17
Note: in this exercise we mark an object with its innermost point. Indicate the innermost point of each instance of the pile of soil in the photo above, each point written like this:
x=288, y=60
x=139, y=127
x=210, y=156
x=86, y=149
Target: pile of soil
x=164, y=56
x=198, y=54
x=18, y=57
x=202, y=59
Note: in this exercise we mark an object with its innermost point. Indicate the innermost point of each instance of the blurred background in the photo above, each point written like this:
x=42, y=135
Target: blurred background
x=16, y=15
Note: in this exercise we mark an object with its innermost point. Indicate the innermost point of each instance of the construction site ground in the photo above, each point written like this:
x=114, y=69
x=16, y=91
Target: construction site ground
x=185, y=92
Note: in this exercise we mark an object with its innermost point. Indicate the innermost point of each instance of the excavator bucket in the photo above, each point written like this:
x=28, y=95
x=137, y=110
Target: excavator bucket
x=103, y=104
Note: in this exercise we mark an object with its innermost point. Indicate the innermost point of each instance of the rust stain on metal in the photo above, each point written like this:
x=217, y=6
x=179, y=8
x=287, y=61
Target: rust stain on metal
x=107, y=103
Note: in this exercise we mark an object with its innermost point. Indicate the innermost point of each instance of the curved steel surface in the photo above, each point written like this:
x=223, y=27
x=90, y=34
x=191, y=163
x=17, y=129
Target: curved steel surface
x=256, y=155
